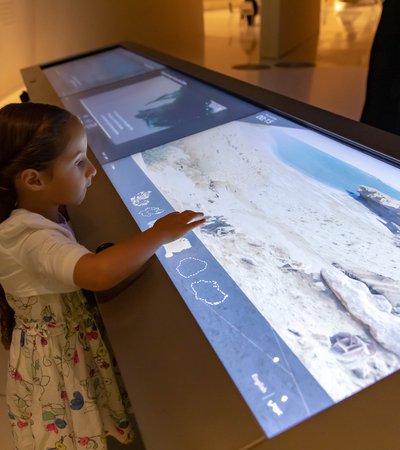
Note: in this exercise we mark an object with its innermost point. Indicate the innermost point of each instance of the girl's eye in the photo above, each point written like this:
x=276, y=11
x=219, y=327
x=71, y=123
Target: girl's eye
x=79, y=162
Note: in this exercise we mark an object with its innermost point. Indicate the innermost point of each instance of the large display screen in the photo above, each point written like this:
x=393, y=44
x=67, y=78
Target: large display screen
x=294, y=276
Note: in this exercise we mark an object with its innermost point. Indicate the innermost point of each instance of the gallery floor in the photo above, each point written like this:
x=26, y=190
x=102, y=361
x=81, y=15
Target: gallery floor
x=339, y=54
x=328, y=71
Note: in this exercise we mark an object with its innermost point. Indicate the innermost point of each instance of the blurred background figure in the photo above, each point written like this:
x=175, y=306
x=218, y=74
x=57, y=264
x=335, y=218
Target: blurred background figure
x=249, y=9
x=382, y=103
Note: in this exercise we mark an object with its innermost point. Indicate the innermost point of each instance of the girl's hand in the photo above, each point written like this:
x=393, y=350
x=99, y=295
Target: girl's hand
x=104, y=270
x=176, y=224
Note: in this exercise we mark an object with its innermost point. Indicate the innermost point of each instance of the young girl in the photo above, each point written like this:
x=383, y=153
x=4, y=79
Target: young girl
x=62, y=392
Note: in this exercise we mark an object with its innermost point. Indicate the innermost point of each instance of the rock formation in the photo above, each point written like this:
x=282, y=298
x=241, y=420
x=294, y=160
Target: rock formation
x=374, y=311
x=386, y=207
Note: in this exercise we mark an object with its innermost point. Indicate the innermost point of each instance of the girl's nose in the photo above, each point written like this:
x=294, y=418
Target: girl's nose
x=91, y=171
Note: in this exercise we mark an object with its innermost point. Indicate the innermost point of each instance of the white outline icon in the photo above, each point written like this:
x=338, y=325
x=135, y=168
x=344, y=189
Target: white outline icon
x=215, y=285
x=151, y=211
x=186, y=260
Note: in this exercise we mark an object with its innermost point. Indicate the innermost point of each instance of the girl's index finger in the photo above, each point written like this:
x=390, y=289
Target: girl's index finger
x=195, y=216
x=195, y=223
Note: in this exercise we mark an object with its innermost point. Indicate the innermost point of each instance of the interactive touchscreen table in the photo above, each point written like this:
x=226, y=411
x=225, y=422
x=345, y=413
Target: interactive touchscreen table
x=294, y=278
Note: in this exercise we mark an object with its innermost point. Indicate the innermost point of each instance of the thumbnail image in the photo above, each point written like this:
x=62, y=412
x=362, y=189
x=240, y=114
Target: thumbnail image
x=312, y=241
x=146, y=107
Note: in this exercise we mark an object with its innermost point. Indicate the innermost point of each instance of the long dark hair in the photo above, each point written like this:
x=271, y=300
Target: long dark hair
x=31, y=137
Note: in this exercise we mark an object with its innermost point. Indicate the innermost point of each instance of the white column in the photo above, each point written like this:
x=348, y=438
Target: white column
x=286, y=24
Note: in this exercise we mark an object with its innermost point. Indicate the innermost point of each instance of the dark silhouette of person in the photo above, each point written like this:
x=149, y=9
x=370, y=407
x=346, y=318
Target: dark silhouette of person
x=382, y=103
x=250, y=18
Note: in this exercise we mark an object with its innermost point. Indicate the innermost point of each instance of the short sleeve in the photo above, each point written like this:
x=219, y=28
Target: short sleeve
x=50, y=253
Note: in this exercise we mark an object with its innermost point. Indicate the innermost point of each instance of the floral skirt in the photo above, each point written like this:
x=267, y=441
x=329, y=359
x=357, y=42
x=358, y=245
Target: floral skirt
x=63, y=387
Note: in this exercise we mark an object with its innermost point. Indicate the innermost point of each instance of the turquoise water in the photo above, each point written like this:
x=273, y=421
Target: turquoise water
x=326, y=168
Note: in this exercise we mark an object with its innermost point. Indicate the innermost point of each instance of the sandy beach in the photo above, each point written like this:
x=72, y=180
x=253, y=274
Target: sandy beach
x=280, y=228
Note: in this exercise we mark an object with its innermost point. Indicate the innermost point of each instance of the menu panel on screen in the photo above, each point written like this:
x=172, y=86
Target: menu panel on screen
x=294, y=276
x=147, y=109
x=81, y=74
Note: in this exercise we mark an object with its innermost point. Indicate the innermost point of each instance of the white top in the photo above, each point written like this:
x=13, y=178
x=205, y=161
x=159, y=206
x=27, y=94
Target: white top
x=37, y=256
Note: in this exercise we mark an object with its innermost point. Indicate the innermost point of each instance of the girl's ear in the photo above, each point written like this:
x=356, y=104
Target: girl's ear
x=32, y=180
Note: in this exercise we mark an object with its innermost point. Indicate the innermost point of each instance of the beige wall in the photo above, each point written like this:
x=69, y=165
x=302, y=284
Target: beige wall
x=286, y=24
x=16, y=43
x=209, y=5
x=36, y=31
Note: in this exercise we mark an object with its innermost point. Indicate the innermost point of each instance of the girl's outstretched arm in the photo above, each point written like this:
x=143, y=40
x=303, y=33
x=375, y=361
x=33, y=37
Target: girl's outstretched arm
x=104, y=270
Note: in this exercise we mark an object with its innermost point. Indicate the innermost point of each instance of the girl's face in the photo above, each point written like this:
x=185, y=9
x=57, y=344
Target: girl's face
x=72, y=172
